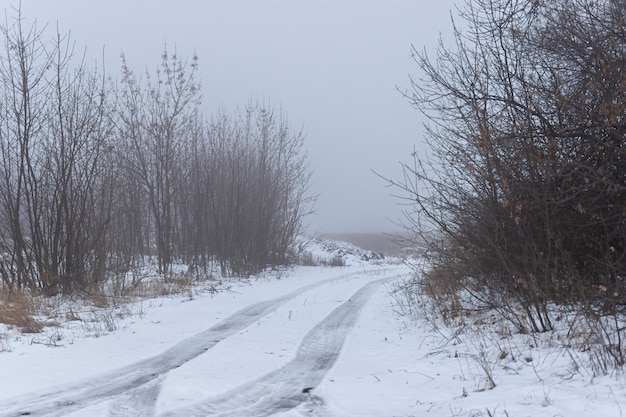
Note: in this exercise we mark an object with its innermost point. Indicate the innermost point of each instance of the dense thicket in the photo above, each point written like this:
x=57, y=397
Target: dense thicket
x=523, y=194
x=98, y=176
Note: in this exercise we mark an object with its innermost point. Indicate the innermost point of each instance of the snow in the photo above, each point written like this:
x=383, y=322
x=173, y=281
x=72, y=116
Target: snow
x=281, y=361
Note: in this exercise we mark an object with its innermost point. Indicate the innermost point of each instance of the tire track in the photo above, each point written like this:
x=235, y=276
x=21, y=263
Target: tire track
x=294, y=383
x=75, y=396
x=139, y=402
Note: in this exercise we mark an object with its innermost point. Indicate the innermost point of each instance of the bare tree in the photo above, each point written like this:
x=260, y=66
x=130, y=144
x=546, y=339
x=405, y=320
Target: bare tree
x=25, y=91
x=259, y=189
x=156, y=118
x=54, y=132
x=232, y=190
x=96, y=178
x=71, y=217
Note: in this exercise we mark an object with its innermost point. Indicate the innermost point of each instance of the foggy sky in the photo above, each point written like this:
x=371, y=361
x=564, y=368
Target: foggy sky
x=332, y=65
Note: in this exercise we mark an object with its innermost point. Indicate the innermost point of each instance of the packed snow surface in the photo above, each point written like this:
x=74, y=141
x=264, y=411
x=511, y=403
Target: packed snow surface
x=319, y=341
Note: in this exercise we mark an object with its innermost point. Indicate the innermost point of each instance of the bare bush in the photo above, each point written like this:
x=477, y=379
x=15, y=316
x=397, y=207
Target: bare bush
x=522, y=197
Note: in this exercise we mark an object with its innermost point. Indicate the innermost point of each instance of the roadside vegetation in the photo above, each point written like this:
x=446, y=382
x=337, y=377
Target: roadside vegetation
x=119, y=186
x=31, y=317
x=521, y=194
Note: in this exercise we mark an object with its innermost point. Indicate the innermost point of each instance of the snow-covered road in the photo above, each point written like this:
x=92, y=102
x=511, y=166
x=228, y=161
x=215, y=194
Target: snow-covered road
x=320, y=342
x=295, y=382
x=178, y=380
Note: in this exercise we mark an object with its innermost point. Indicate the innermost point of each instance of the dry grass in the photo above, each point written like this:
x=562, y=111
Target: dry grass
x=19, y=310
x=594, y=343
x=94, y=313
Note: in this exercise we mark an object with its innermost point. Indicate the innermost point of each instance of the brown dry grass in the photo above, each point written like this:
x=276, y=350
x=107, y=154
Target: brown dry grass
x=99, y=310
x=18, y=310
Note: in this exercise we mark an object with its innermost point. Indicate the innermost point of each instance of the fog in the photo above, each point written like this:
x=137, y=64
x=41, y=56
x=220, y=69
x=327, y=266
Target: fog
x=334, y=68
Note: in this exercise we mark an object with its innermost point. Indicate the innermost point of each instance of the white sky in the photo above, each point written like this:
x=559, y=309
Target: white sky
x=331, y=65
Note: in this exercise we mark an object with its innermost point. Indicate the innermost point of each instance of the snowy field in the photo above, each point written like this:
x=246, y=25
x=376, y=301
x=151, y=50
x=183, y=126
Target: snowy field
x=319, y=341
